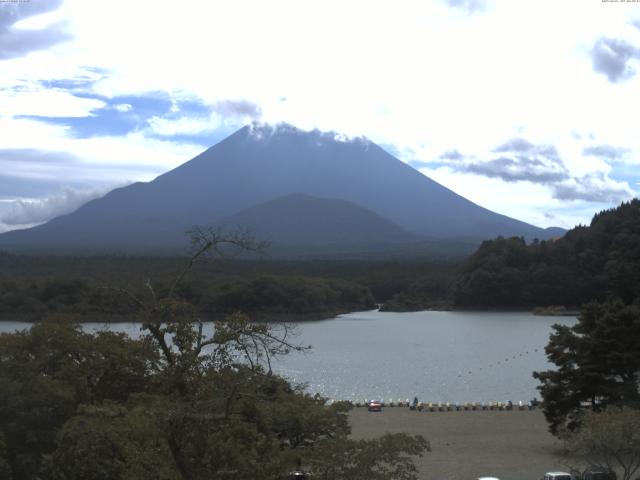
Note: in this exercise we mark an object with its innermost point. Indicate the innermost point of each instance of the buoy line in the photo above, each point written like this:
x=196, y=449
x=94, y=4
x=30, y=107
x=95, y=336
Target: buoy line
x=501, y=362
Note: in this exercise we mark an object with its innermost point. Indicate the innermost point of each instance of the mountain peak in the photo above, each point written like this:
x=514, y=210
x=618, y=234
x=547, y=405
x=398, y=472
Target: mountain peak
x=259, y=131
x=263, y=162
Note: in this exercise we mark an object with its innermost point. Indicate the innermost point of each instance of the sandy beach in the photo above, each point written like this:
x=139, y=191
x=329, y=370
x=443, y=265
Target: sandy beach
x=511, y=445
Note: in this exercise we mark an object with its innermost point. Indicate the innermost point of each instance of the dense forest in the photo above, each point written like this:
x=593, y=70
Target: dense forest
x=90, y=286
x=595, y=262
x=105, y=407
x=184, y=401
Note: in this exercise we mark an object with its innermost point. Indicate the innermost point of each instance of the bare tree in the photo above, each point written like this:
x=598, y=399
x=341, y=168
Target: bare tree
x=179, y=331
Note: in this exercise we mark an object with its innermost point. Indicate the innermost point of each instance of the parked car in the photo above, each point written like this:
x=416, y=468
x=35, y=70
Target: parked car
x=595, y=473
x=298, y=475
x=374, y=406
x=557, y=476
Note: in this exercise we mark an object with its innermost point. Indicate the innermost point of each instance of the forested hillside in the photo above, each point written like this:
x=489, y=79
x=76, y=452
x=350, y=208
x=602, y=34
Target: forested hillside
x=592, y=262
x=32, y=287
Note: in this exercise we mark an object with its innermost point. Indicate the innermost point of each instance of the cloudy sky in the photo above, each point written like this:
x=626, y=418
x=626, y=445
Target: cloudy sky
x=527, y=107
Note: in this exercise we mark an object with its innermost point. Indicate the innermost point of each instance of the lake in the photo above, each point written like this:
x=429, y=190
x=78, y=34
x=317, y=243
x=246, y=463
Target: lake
x=436, y=356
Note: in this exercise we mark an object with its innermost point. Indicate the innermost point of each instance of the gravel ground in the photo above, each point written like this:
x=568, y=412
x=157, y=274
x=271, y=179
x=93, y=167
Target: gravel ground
x=511, y=445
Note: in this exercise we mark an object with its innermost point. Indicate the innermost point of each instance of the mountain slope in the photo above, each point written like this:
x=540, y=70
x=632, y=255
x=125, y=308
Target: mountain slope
x=300, y=219
x=256, y=165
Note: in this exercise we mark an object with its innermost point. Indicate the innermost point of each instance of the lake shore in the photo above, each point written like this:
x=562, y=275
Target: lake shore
x=511, y=445
x=437, y=356
x=294, y=317
x=263, y=317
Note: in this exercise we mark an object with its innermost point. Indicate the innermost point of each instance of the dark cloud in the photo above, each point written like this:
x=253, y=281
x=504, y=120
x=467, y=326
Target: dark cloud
x=76, y=85
x=520, y=168
x=606, y=151
x=522, y=161
x=29, y=212
x=611, y=57
x=525, y=161
x=238, y=108
x=470, y=6
x=522, y=146
x=452, y=155
x=541, y=164
x=15, y=42
x=515, y=145
x=594, y=187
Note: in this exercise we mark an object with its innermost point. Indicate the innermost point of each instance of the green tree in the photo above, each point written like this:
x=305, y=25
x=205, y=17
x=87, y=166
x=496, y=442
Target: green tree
x=51, y=369
x=110, y=441
x=597, y=262
x=387, y=457
x=5, y=467
x=184, y=402
x=609, y=441
x=598, y=362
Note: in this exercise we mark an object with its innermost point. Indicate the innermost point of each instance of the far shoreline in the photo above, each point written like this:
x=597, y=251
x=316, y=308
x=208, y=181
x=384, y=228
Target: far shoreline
x=304, y=317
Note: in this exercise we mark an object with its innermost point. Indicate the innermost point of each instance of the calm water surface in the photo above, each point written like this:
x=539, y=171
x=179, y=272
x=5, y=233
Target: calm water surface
x=437, y=356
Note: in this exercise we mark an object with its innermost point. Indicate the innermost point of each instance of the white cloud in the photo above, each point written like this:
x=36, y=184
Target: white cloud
x=595, y=187
x=574, y=200
x=97, y=159
x=31, y=99
x=418, y=75
x=184, y=125
x=123, y=107
x=25, y=213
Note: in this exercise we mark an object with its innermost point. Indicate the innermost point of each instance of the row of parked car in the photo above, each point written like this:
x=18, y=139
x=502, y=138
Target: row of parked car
x=591, y=473
x=376, y=405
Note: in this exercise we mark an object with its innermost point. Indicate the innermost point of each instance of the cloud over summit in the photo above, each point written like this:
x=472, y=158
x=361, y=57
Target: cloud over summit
x=238, y=108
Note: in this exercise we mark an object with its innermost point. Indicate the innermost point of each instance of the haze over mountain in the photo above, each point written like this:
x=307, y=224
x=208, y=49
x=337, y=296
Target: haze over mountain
x=361, y=193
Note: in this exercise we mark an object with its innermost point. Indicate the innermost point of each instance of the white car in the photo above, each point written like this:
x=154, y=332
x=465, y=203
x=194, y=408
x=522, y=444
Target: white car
x=557, y=476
